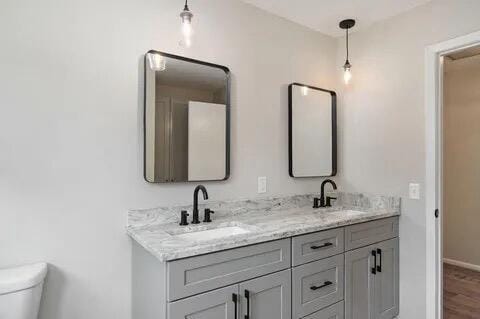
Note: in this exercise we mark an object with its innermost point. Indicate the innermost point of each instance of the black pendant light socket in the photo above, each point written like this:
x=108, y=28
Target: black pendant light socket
x=347, y=24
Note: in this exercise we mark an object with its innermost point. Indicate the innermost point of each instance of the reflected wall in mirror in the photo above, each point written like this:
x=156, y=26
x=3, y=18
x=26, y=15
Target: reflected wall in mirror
x=312, y=127
x=187, y=111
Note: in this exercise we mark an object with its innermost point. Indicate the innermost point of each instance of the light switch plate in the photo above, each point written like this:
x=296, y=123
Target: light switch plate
x=414, y=191
x=262, y=184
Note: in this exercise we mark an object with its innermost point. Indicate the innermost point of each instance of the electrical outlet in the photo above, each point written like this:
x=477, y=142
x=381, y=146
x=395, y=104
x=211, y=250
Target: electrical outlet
x=414, y=191
x=262, y=184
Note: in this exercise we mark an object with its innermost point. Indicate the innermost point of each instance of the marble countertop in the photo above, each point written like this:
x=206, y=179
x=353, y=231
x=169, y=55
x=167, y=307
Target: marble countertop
x=263, y=219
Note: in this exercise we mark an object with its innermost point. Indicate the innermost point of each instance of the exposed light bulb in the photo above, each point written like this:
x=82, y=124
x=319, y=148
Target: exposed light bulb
x=187, y=30
x=304, y=90
x=347, y=76
x=347, y=72
x=156, y=62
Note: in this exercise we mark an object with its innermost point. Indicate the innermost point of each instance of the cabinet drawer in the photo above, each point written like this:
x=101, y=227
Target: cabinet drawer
x=317, y=285
x=336, y=311
x=365, y=234
x=197, y=274
x=317, y=246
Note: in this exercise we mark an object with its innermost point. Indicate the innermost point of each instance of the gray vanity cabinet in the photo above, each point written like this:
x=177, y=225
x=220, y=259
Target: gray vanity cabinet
x=372, y=281
x=269, y=297
x=218, y=304
x=348, y=272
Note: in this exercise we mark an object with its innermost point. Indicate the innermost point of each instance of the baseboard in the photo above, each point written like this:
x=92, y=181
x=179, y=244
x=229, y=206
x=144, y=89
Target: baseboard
x=461, y=264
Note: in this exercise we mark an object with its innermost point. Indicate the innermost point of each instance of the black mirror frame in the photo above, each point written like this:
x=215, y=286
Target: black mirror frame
x=228, y=111
x=290, y=129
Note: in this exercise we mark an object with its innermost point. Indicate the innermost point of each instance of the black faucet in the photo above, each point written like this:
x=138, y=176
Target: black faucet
x=202, y=188
x=322, y=201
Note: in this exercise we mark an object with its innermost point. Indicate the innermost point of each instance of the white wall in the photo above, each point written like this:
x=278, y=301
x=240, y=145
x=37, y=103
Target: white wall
x=382, y=143
x=461, y=160
x=71, y=121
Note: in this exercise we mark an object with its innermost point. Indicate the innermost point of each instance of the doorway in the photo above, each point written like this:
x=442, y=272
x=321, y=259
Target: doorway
x=461, y=184
x=435, y=190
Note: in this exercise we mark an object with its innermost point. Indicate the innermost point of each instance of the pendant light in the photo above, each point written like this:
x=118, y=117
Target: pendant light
x=347, y=72
x=187, y=30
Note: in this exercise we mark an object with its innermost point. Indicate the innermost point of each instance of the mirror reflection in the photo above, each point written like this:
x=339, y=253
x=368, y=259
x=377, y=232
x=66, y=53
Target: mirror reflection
x=186, y=119
x=312, y=131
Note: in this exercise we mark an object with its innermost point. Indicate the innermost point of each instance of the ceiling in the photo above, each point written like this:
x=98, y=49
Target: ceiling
x=324, y=15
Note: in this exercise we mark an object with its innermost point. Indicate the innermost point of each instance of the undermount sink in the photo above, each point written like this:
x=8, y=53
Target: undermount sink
x=350, y=212
x=211, y=234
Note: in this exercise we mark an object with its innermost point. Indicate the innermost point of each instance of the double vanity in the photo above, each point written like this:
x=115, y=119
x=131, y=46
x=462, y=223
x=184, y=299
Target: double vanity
x=274, y=258
x=331, y=257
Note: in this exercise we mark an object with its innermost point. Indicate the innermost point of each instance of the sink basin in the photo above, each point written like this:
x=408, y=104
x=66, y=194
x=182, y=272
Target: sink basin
x=211, y=234
x=350, y=212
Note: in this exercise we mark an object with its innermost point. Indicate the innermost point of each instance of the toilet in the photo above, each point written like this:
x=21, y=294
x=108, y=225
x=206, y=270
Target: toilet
x=21, y=291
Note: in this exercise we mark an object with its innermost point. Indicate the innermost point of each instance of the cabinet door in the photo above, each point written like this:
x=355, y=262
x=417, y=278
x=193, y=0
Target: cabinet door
x=386, y=280
x=359, y=288
x=267, y=297
x=217, y=304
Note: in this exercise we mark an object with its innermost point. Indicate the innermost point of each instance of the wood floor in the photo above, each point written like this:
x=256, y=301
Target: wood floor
x=461, y=293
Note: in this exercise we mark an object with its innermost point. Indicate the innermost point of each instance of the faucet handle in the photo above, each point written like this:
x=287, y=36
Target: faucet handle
x=183, y=218
x=207, y=218
x=329, y=201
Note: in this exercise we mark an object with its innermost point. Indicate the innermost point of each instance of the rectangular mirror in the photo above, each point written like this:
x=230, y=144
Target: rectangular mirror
x=187, y=114
x=312, y=131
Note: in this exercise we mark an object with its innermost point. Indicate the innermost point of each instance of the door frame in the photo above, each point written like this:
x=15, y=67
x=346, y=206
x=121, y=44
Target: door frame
x=434, y=165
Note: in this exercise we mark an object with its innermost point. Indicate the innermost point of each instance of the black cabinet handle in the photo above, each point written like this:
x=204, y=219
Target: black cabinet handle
x=235, y=299
x=321, y=246
x=325, y=284
x=247, y=296
x=379, y=253
x=374, y=268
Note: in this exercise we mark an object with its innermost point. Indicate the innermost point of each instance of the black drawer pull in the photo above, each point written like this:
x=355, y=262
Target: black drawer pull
x=379, y=266
x=374, y=268
x=247, y=296
x=325, y=284
x=235, y=300
x=321, y=246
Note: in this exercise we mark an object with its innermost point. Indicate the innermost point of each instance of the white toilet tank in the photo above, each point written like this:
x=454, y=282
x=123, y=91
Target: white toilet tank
x=21, y=291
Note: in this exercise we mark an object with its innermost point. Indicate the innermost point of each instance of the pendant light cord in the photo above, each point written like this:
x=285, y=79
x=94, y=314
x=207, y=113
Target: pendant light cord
x=186, y=5
x=347, y=42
